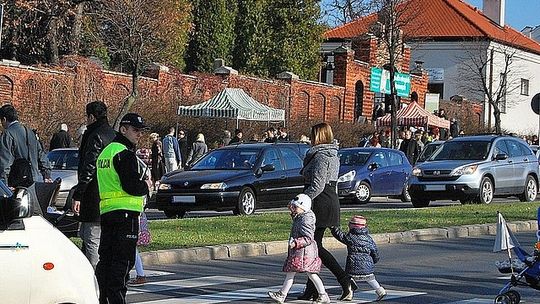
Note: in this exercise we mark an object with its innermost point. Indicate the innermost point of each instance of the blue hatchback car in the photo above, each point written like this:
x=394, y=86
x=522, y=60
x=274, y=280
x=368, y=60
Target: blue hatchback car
x=368, y=172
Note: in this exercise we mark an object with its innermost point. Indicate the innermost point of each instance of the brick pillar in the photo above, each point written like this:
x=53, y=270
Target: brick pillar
x=406, y=60
x=342, y=57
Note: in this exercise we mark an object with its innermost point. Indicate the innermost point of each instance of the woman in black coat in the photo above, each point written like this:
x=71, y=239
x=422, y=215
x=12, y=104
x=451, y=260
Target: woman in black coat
x=320, y=171
x=158, y=166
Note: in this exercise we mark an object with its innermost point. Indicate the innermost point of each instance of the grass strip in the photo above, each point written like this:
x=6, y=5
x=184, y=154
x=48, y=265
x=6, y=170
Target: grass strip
x=195, y=232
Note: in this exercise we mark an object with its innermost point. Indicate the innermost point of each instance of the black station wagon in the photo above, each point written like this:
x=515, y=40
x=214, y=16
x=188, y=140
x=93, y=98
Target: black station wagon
x=240, y=178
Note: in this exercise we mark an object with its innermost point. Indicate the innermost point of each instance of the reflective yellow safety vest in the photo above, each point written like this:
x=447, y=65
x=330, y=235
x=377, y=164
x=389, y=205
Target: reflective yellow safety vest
x=112, y=196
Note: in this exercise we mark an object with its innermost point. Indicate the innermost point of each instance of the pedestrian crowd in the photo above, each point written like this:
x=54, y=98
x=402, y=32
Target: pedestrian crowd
x=114, y=183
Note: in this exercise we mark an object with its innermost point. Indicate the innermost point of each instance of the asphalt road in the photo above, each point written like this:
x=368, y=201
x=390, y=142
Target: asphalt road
x=377, y=203
x=450, y=271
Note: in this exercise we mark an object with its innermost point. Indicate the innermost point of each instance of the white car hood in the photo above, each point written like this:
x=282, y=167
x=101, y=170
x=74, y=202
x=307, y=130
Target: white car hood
x=71, y=280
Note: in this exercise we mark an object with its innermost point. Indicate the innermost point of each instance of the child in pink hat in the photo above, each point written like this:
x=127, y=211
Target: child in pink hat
x=362, y=254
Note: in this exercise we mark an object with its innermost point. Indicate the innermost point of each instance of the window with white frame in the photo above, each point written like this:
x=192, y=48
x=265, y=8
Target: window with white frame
x=525, y=87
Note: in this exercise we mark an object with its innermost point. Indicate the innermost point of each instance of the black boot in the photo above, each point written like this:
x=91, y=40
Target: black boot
x=310, y=292
x=348, y=285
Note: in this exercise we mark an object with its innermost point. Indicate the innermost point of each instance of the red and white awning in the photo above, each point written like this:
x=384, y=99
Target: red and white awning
x=414, y=115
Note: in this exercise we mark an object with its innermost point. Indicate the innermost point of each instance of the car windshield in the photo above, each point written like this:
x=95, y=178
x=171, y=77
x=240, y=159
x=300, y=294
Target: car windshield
x=353, y=158
x=428, y=151
x=63, y=159
x=228, y=159
x=462, y=150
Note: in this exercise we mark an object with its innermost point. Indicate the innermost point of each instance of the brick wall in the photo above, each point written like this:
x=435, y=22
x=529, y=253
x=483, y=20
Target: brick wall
x=46, y=97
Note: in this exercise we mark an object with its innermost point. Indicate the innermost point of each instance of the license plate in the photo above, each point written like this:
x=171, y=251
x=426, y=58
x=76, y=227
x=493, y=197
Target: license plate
x=435, y=187
x=183, y=199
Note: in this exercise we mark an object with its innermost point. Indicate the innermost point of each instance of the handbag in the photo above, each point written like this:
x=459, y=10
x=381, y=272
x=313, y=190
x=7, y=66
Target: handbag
x=144, y=233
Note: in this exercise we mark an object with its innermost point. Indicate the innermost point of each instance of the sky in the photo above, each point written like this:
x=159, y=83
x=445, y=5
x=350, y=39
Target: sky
x=519, y=13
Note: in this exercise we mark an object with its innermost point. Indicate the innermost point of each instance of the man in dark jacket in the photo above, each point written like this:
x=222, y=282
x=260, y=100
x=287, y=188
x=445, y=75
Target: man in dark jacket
x=60, y=139
x=237, y=137
x=86, y=197
x=17, y=141
x=183, y=147
x=454, y=128
x=410, y=147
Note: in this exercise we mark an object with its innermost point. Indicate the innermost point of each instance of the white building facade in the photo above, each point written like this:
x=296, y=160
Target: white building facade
x=449, y=66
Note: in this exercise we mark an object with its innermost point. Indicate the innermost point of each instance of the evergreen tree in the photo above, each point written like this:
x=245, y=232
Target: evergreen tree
x=252, y=43
x=296, y=37
x=212, y=35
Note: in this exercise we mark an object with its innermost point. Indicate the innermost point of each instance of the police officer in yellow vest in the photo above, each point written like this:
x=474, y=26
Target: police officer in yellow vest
x=122, y=189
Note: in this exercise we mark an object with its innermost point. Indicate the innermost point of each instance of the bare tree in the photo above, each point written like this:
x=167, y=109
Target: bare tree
x=487, y=72
x=343, y=11
x=138, y=32
x=393, y=17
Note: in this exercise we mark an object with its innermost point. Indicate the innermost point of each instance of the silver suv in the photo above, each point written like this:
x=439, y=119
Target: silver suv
x=476, y=168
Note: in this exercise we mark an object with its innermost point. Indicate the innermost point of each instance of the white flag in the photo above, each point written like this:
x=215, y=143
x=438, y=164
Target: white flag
x=504, y=239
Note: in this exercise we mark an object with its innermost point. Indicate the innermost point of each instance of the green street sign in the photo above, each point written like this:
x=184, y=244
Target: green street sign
x=380, y=77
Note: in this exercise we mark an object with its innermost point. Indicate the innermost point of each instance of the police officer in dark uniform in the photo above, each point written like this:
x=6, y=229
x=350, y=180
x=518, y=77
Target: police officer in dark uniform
x=122, y=189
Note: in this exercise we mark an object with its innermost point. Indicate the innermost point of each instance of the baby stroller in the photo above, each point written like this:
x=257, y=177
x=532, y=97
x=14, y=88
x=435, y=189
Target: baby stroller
x=527, y=269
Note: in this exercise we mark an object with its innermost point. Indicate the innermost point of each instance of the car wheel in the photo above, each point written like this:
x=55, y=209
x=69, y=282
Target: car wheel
x=246, y=202
x=405, y=196
x=362, y=194
x=419, y=202
x=531, y=190
x=486, y=191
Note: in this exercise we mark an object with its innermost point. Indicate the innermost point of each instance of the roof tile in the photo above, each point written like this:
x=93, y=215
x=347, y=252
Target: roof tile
x=443, y=19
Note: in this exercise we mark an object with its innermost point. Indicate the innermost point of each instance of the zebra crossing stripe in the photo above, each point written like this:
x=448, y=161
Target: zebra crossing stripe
x=261, y=292
x=474, y=301
x=150, y=273
x=156, y=287
x=228, y=296
x=370, y=296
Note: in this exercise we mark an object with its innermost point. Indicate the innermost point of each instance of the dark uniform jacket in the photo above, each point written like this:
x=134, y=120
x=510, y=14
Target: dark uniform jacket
x=98, y=135
x=129, y=171
x=13, y=145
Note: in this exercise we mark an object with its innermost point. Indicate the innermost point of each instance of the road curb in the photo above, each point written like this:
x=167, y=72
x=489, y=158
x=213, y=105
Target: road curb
x=233, y=251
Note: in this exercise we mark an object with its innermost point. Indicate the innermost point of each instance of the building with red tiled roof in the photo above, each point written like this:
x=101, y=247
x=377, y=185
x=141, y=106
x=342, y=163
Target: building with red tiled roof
x=446, y=35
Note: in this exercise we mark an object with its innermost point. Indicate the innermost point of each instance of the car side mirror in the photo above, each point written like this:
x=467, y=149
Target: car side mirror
x=501, y=156
x=18, y=206
x=268, y=167
x=373, y=167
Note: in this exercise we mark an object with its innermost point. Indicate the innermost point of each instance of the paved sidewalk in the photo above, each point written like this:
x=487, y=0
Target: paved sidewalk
x=233, y=251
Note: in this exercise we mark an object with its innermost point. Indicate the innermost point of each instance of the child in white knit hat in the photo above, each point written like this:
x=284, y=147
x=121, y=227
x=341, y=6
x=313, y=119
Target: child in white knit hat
x=303, y=254
x=362, y=254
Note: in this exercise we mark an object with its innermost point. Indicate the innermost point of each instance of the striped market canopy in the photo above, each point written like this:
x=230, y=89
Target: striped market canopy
x=235, y=104
x=414, y=115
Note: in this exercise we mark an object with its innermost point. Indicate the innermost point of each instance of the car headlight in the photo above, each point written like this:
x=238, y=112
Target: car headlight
x=347, y=177
x=416, y=172
x=214, y=186
x=467, y=170
x=164, y=187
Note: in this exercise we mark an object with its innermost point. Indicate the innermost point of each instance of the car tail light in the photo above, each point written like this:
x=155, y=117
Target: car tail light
x=48, y=266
